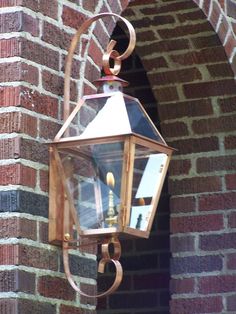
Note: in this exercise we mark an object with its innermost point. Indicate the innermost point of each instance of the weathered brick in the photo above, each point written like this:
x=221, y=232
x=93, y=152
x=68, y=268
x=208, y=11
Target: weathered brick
x=18, y=71
x=54, y=287
x=48, y=129
x=32, y=150
x=72, y=18
x=177, y=76
x=9, y=95
x=18, y=122
x=195, y=145
x=94, y=51
x=9, y=47
x=91, y=72
x=217, y=242
x=38, y=257
x=75, y=68
x=54, y=84
x=232, y=220
x=182, y=244
x=227, y=104
x=166, y=94
x=155, y=20
x=191, y=16
x=49, y=9
x=90, y=290
x=206, y=41
x=16, y=227
x=10, y=148
x=173, y=129
x=203, y=56
x=38, y=102
x=196, y=264
x=212, y=164
x=197, y=305
x=179, y=286
x=21, y=201
x=9, y=3
x=231, y=261
x=191, y=108
x=231, y=302
x=182, y=204
x=81, y=266
x=164, y=46
x=206, y=89
x=25, y=306
x=220, y=70
x=10, y=22
x=212, y=125
x=230, y=180
x=155, y=63
x=168, y=7
x=184, y=30
x=43, y=232
x=17, y=281
x=43, y=175
x=9, y=254
x=8, y=305
x=217, y=201
x=197, y=223
x=17, y=174
x=56, y=36
x=195, y=185
x=217, y=284
x=180, y=167
x=40, y=54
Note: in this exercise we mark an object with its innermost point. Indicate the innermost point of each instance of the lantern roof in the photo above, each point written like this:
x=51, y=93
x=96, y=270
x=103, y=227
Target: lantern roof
x=116, y=114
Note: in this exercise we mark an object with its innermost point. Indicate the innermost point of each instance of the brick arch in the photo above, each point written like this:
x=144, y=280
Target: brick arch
x=192, y=76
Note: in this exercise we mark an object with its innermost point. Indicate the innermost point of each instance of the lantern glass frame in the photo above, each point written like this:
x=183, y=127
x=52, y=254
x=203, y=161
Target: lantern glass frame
x=132, y=146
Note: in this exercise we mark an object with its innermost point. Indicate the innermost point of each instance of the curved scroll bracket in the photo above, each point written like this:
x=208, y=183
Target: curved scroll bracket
x=110, y=53
x=106, y=258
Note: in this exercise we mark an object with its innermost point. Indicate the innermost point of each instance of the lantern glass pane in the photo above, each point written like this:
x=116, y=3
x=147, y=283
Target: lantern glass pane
x=140, y=122
x=100, y=116
x=147, y=182
x=94, y=182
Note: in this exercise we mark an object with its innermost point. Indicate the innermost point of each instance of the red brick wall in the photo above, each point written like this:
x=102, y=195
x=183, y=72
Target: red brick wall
x=34, y=38
x=191, y=73
x=192, y=76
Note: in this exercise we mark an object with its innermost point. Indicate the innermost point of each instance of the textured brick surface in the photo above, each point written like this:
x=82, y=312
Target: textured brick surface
x=53, y=287
x=21, y=201
x=196, y=264
x=193, y=91
x=197, y=305
x=18, y=228
x=197, y=223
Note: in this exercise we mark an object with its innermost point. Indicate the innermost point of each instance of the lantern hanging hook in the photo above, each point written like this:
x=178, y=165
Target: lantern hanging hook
x=110, y=53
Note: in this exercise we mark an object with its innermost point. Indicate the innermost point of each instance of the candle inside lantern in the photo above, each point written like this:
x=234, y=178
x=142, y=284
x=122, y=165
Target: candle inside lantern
x=110, y=180
x=111, y=218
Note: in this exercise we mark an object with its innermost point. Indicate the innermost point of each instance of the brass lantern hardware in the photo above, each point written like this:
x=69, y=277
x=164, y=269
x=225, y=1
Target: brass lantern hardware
x=108, y=163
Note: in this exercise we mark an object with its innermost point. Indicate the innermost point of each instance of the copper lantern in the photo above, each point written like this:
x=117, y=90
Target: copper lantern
x=108, y=163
